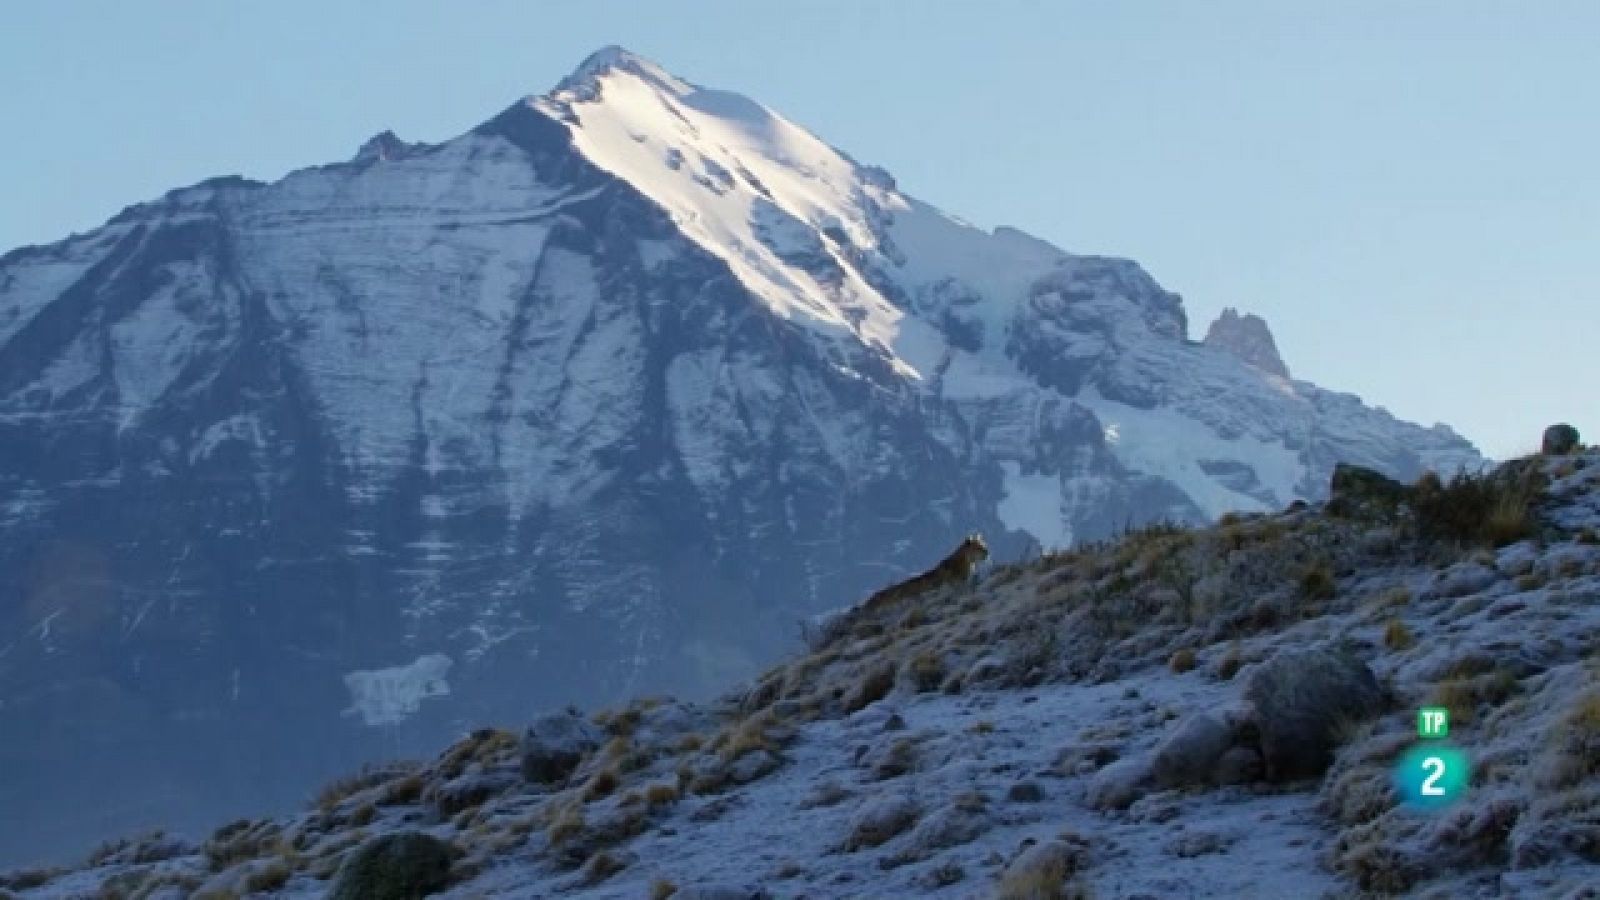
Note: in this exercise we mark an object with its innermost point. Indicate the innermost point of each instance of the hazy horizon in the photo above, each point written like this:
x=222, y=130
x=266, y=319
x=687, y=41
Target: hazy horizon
x=1404, y=194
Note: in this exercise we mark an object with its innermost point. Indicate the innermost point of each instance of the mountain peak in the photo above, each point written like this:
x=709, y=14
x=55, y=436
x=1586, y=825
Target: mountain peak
x=383, y=146
x=585, y=79
x=1248, y=338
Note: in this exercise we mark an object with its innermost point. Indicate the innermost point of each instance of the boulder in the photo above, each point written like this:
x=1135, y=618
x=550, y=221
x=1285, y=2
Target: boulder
x=1300, y=700
x=554, y=745
x=402, y=865
x=1357, y=490
x=1119, y=784
x=1559, y=440
x=1189, y=755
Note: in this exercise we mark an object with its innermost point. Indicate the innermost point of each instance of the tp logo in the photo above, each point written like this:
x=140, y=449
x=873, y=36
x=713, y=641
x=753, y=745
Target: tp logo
x=1433, y=722
x=1432, y=775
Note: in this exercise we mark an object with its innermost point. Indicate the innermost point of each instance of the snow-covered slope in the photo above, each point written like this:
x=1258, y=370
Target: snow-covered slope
x=1063, y=728
x=600, y=396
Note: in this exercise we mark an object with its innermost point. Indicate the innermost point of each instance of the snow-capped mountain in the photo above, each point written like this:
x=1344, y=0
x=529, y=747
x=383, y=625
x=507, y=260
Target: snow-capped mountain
x=598, y=398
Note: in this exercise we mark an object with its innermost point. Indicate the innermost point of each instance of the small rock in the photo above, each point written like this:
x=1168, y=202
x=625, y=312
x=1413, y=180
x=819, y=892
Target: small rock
x=1025, y=792
x=1463, y=580
x=939, y=876
x=890, y=758
x=469, y=790
x=1156, y=810
x=1190, y=844
x=1118, y=785
x=719, y=892
x=713, y=810
x=554, y=745
x=1240, y=765
x=405, y=865
x=823, y=795
x=879, y=820
x=753, y=765
x=1051, y=862
x=1559, y=440
x=1079, y=759
x=1189, y=755
x=670, y=720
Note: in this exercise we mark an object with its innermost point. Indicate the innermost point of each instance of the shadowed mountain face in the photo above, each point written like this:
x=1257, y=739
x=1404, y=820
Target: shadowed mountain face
x=597, y=399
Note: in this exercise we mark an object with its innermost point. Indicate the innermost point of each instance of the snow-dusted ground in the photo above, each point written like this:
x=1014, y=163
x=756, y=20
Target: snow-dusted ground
x=1270, y=839
x=988, y=719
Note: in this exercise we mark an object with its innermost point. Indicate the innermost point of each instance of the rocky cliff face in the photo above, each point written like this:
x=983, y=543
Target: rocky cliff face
x=1248, y=338
x=597, y=398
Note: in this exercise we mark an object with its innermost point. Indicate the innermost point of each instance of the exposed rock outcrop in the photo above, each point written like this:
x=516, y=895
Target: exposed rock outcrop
x=1248, y=338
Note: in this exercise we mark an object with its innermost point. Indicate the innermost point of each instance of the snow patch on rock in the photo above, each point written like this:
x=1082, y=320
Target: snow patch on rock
x=390, y=696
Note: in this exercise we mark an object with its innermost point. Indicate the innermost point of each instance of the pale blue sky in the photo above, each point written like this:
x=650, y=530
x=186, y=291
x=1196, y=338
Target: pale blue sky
x=1406, y=191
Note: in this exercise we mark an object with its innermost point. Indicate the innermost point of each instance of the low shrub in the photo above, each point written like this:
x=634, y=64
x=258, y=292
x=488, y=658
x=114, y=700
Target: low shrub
x=1493, y=508
x=874, y=686
x=1396, y=636
x=1316, y=582
x=661, y=794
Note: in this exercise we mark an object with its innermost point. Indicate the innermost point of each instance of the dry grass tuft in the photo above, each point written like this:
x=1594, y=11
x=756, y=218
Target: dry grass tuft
x=750, y=735
x=602, y=783
x=567, y=824
x=403, y=791
x=601, y=866
x=1316, y=583
x=925, y=671
x=1574, y=753
x=1463, y=692
x=874, y=686
x=1231, y=661
x=1396, y=636
x=661, y=794
x=270, y=877
x=1043, y=883
x=1181, y=661
x=338, y=791
x=1394, y=597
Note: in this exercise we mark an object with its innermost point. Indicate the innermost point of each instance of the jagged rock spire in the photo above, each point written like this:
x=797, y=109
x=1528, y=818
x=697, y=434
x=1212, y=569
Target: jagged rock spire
x=1248, y=338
